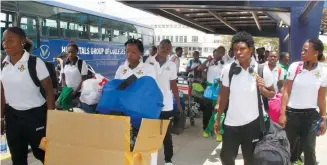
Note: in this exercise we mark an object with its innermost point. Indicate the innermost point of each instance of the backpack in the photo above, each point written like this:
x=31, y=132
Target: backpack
x=31, y=65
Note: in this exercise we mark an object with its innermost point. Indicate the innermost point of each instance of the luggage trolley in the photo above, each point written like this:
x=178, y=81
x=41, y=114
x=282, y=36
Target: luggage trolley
x=191, y=106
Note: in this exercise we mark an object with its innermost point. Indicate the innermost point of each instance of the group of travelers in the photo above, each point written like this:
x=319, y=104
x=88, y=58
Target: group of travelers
x=242, y=75
x=24, y=107
x=303, y=89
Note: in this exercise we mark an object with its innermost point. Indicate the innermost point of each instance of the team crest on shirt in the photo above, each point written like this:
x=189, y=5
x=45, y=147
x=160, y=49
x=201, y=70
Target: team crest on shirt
x=124, y=71
x=318, y=74
x=151, y=63
x=21, y=68
x=140, y=72
x=167, y=68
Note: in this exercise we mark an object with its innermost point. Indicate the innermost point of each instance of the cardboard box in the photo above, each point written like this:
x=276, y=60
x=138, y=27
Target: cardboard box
x=89, y=139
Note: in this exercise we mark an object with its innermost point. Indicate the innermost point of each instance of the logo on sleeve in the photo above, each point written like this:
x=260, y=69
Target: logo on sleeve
x=21, y=68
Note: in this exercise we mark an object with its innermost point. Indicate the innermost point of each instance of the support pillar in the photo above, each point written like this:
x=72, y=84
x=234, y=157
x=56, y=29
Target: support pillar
x=300, y=32
x=283, y=44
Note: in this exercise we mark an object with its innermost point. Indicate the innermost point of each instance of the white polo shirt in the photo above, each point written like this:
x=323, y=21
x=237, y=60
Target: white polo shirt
x=143, y=69
x=73, y=76
x=278, y=75
x=175, y=59
x=193, y=64
x=20, y=91
x=214, y=71
x=166, y=73
x=228, y=59
x=305, y=87
x=243, y=99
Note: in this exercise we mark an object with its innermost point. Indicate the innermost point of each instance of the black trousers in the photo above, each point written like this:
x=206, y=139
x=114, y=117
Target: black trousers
x=25, y=128
x=168, y=141
x=247, y=136
x=302, y=125
x=207, y=112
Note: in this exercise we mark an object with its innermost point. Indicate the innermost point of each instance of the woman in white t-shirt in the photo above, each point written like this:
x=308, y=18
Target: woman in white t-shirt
x=305, y=86
x=74, y=71
x=23, y=106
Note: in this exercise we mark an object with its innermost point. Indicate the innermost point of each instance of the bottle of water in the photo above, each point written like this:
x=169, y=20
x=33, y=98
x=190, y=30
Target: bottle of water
x=181, y=94
x=3, y=145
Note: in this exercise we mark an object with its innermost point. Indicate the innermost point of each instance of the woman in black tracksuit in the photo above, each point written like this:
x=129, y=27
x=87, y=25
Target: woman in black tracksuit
x=23, y=107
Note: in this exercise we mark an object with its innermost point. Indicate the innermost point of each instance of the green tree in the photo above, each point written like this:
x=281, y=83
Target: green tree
x=271, y=44
x=325, y=47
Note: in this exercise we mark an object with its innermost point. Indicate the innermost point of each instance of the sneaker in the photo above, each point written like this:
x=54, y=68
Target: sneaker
x=205, y=134
x=299, y=162
x=168, y=163
x=219, y=138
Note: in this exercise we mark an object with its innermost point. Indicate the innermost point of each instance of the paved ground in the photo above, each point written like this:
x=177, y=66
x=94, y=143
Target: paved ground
x=191, y=149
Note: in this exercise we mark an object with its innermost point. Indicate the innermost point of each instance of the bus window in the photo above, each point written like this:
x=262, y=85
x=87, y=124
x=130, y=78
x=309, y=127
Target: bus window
x=77, y=31
x=64, y=29
x=135, y=36
x=6, y=21
x=94, y=33
x=29, y=26
x=119, y=36
x=48, y=27
x=38, y=9
x=83, y=31
x=106, y=35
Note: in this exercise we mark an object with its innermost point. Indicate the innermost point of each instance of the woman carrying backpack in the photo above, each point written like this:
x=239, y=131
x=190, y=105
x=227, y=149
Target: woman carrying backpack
x=23, y=108
x=73, y=74
x=305, y=86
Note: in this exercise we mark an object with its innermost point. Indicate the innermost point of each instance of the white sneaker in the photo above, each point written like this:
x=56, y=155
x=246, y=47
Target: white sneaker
x=168, y=163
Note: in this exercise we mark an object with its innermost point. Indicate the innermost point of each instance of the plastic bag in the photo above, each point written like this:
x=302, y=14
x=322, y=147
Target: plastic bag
x=92, y=89
x=212, y=121
x=274, y=107
x=3, y=145
x=211, y=92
